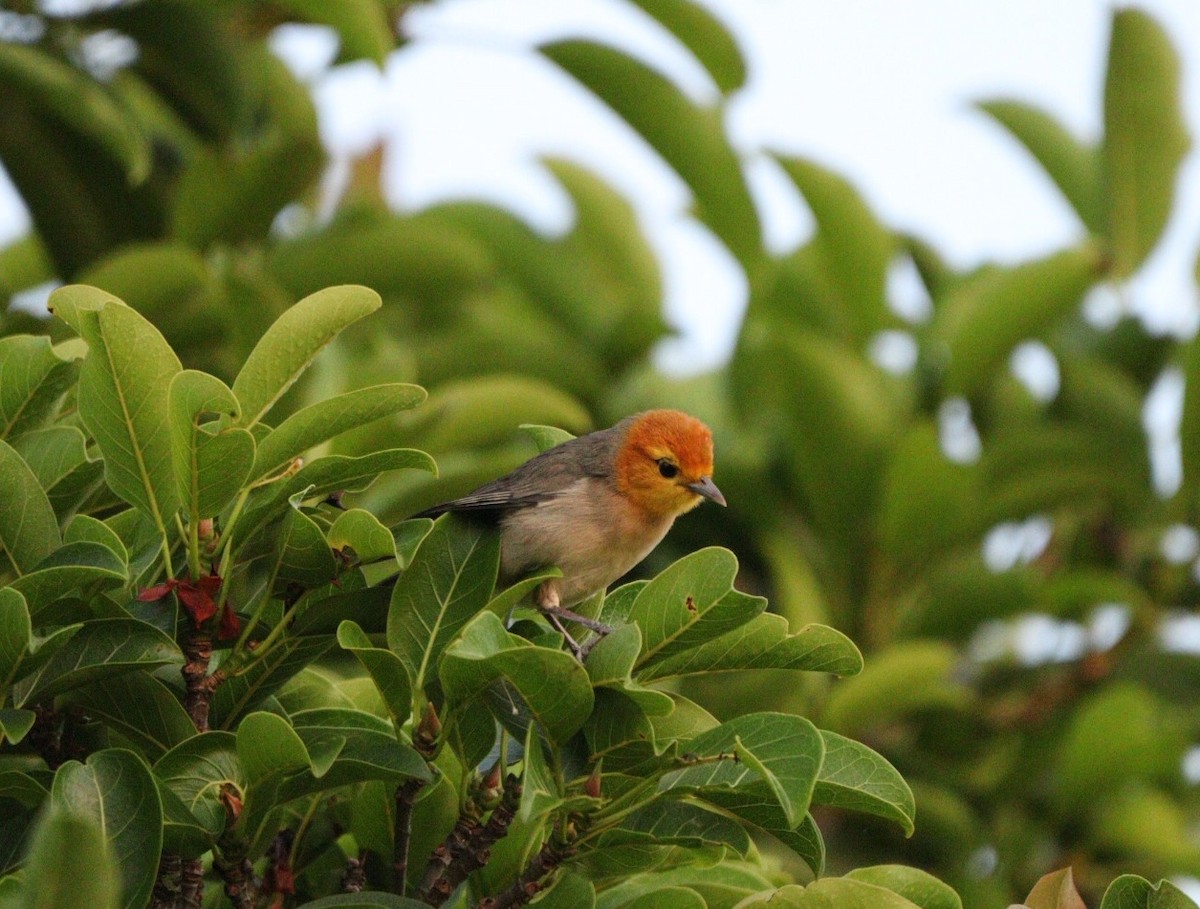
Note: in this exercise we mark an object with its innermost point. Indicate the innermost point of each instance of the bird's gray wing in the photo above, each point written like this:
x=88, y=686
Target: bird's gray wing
x=540, y=478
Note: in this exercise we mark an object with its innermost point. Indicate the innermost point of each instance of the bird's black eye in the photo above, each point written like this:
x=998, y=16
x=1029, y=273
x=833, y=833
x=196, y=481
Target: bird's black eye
x=667, y=470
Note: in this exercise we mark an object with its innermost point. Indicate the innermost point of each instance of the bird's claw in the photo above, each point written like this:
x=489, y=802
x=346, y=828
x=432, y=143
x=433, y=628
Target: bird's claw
x=557, y=614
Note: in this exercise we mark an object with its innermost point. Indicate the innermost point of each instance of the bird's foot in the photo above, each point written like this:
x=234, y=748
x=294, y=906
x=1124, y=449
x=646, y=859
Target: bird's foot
x=591, y=624
x=557, y=615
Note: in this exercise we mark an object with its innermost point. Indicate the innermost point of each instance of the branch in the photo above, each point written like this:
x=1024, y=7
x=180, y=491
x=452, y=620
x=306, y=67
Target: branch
x=197, y=652
x=354, y=878
x=168, y=884
x=468, y=847
x=191, y=884
x=406, y=796
x=530, y=883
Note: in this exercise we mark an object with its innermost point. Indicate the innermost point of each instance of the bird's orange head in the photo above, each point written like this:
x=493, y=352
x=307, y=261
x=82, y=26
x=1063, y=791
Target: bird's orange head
x=665, y=464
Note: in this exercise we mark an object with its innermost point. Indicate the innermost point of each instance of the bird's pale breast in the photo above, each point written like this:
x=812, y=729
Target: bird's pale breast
x=590, y=531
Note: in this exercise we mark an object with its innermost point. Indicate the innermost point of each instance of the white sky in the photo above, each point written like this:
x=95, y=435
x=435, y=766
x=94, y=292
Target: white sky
x=876, y=89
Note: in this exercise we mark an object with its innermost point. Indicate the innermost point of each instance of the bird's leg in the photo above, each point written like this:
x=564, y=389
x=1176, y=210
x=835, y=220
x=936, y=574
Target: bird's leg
x=548, y=602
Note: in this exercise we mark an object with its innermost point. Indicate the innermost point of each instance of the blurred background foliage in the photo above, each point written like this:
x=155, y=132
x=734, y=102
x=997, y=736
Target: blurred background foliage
x=999, y=548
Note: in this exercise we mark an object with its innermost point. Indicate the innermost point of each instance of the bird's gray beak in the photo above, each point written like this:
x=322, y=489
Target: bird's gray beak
x=707, y=488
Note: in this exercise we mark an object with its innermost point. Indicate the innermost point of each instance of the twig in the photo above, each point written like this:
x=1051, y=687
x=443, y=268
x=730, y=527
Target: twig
x=406, y=796
x=468, y=847
x=530, y=882
x=238, y=874
x=191, y=884
x=354, y=878
x=198, y=690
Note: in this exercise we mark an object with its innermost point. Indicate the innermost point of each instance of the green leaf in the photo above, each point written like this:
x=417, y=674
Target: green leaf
x=33, y=378
x=855, y=777
x=362, y=25
x=906, y=677
x=332, y=473
x=211, y=462
x=68, y=568
x=80, y=101
x=15, y=724
x=326, y=419
x=1073, y=166
x=552, y=683
x=20, y=652
x=1132, y=892
x=705, y=36
x=59, y=458
x=141, y=708
x=689, y=138
x=302, y=553
x=570, y=890
x=610, y=664
x=86, y=529
x=64, y=842
x=290, y=344
x=668, y=898
x=546, y=437
x=918, y=887
x=851, y=249
x=28, y=525
x=361, y=534
x=450, y=580
x=264, y=677
x=123, y=396
x=678, y=822
x=690, y=603
x=987, y=316
x=764, y=643
x=197, y=769
x=758, y=807
x=777, y=749
x=1145, y=137
x=385, y=668
x=842, y=892
x=182, y=833
x=102, y=648
x=116, y=790
x=365, y=746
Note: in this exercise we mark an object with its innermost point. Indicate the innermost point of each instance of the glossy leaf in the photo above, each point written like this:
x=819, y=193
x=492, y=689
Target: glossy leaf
x=197, y=770
x=856, y=777
x=67, y=569
x=450, y=580
x=552, y=683
x=918, y=887
x=690, y=603
x=764, y=643
x=302, y=554
x=102, y=648
x=1132, y=892
x=1145, y=137
x=385, y=668
x=328, y=418
x=250, y=687
x=20, y=652
x=780, y=750
x=285, y=351
x=116, y=790
x=123, y=396
x=358, y=532
x=211, y=462
x=141, y=708
x=33, y=378
x=842, y=892
x=28, y=525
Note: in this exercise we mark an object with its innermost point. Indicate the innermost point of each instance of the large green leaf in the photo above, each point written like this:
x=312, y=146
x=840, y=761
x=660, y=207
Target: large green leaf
x=690, y=603
x=197, y=770
x=326, y=419
x=123, y=396
x=1132, y=892
x=680, y=822
x=916, y=886
x=610, y=665
x=264, y=677
x=68, y=568
x=20, y=652
x=140, y=707
x=211, y=462
x=33, y=378
x=854, y=776
x=102, y=648
x=704, y=35
x=1145, y=137
x=289, y=345
x=385, y=668
x=986, y=317
x=59, y=458
x=777, y=749
x=64, y=842
x=449, y=581
x=764, y=643
x=553, y=685
x=830, y=892
x=691, y=139
x=116, y=789
x=28, y=525
x=358, y=747
x=1073, y=166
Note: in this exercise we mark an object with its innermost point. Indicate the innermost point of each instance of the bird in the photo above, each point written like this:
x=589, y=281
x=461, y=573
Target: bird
x=594, y=506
